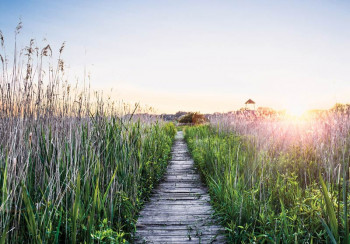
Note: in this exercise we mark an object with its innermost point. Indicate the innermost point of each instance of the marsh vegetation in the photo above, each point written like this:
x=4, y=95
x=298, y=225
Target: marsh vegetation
x=277, y=179
x=74, y=166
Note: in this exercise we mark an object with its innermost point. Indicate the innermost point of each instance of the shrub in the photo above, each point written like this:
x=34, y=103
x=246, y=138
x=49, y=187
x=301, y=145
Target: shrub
x=193, y=118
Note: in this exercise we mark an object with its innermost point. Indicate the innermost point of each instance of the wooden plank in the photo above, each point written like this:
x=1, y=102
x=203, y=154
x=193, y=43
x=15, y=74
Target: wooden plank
x=186, y=218
x=164, y=222
x=181, y=190
x=181, y=185
x=177, y=226
x=181, y=232
x=176, y=205
x=180, y=198
x=185, y=239
x=179, y=213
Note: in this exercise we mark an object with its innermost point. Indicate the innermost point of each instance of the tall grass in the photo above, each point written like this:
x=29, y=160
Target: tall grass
x=277, y=180
x=75, y=167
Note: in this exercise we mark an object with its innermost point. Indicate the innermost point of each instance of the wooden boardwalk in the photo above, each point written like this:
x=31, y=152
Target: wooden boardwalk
x=179, y=209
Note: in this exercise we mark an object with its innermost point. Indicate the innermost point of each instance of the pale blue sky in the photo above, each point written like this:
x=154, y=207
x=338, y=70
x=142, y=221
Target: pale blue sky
x=199, y=55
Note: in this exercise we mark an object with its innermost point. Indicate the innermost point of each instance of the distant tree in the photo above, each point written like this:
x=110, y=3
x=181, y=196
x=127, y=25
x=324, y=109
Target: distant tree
x=341, y=108
x=186, y=119
x=193, y=118
x=179, y=114
x=266, y=111
x=198, y=118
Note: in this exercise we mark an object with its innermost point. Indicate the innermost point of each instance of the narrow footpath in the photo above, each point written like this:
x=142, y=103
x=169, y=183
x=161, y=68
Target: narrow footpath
x=179, y=210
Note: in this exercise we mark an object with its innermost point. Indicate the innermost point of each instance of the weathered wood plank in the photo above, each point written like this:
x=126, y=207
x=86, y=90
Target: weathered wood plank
x=177, y=229
x=179, y=209
x=184, y=239
x=187, y=207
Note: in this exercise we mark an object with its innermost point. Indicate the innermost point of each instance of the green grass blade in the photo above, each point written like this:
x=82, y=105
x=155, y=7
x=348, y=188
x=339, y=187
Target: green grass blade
x=93, y=209
x=58, y=226
x=345, y=199
x=109, y=186
x=3, y=235
x=76, y=210
x=30, y=218
x=284, y=219
x=329, y=209
x=4, y=183
x=330, y=234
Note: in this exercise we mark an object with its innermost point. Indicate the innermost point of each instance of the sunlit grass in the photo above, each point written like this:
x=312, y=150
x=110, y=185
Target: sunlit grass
x=265, y=175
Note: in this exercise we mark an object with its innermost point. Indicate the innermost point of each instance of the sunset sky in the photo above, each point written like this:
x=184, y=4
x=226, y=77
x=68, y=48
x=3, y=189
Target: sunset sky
x=208, y=56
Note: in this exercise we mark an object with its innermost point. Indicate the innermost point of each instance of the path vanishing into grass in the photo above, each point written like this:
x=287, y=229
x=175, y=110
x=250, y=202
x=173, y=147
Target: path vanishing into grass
x=179, y=210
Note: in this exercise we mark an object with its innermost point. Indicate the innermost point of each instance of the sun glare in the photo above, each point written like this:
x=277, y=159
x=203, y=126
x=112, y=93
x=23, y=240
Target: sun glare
x=297, y=111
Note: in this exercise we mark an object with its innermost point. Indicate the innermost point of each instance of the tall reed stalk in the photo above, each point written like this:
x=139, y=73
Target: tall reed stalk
x=75, y=167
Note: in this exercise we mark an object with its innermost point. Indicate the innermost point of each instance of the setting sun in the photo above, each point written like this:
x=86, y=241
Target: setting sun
x=296, y=110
